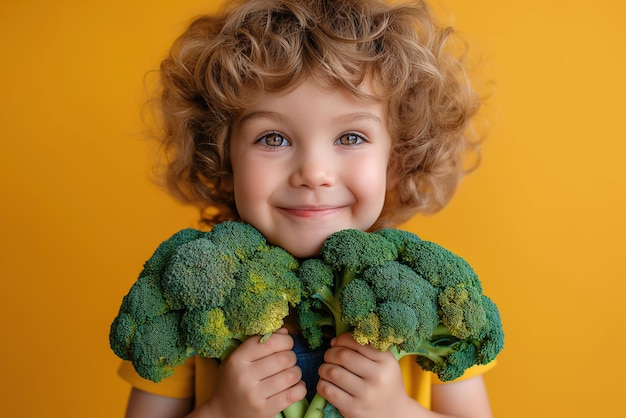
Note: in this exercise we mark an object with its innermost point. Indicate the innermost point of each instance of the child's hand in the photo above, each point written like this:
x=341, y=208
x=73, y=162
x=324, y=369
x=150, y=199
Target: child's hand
x=259, y=379
x=362, y=382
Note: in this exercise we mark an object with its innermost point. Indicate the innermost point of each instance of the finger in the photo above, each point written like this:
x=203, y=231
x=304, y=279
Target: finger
x=335, y=395
x=349, y=359
x=283, y=399
x=275, y=364
x=341, y=377
x=280, y=381
x=253, y=349
x=346, y=340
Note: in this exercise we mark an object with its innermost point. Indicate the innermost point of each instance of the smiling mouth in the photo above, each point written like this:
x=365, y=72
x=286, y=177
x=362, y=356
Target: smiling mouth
x=312, y=212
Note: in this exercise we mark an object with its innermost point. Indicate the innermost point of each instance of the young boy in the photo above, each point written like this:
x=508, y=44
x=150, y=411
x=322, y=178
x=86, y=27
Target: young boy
x=303, y=118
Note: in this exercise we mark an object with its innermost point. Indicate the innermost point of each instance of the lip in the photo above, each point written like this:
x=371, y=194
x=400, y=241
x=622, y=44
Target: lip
x=311, y=211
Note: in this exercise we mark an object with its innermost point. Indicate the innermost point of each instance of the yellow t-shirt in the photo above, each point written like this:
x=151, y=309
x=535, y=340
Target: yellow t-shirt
x=196, y=379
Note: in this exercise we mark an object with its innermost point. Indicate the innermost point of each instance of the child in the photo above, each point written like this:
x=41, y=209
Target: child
x=302, y=118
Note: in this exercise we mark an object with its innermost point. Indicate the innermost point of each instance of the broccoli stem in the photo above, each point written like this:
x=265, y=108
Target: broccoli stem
x=330, y=298
x=341, y=281
x=440, y=345
x=316, y=408
x=295, y=410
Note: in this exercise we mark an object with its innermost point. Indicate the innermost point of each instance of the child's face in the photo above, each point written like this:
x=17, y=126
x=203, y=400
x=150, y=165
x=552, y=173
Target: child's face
x=310, y=162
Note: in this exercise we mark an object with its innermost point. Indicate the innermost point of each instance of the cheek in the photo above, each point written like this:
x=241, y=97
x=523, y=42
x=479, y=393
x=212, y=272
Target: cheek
x=369, y=189
x=244, y=188
x=254, y=186
x=247, y=193
x=371, y=181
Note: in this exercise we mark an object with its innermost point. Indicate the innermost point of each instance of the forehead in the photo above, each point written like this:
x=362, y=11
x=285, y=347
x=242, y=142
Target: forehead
x=368, y=93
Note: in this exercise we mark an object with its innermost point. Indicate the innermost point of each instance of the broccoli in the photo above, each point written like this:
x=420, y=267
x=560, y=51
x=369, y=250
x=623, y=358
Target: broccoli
x=397, y=292
x=203, y=293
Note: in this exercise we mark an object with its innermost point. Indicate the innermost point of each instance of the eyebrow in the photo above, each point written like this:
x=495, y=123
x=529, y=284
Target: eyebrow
x=258, y=114
x=358, y=116
x=347, y=118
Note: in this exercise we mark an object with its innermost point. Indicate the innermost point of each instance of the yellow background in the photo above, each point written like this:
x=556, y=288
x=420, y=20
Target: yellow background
x=542, y=220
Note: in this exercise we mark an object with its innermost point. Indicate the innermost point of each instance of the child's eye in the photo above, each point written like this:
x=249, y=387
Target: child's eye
x=350, y=138
x=273, y=139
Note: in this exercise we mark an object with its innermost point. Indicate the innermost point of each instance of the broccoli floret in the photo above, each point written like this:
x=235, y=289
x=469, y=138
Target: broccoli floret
x=204, y=293
x=158, y=347
x=394, y=281
x=266, y=286
x=344, y=255
x=491, y=339
x=351, y=251
x=145, y=299
x=143, y=302
x=446, y=356
x=401, y=239
x=462, y=311
x=460, y=290
x=313, y=319
x=121, y=335
x=156, y=264
x=199, y=275
x=206, y=331
x=441, y=267
x=397, y=292
x=239, y=237
x=357, y=301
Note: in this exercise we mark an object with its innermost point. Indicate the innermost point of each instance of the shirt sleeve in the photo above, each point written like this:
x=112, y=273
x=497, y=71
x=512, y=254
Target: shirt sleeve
x=178, y=385
x=418, y=383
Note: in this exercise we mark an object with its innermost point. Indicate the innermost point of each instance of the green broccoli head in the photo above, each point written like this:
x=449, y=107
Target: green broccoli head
x=143, y=302
x=491, y=341
x=460, y=290
x=441, y=267
x=357, y=301
x=315, y=275
x=241, y=238
x=344, y=255
x=367, y=331
x=199, y=275
x=462, y=311
x=156, y=264
x=401, y=239
x=351, y=250
x=204, y=293
x=394, y=281
x=158, y=347
x=145, y=299
x=121, y=335
x=398, y=323
x=448, y=358
x=266, y=286
x=389, y=304
x=378, y=313
x=313, y=318
x=395, y=291
x=206, y=332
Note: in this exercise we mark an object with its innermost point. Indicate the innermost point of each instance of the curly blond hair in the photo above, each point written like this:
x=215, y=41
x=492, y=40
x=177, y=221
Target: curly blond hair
x=272, y=45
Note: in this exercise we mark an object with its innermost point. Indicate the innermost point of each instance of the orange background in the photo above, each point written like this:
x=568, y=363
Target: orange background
x=542, y=220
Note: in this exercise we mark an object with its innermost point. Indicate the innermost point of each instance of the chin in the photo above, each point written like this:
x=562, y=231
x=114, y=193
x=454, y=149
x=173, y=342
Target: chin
x=301, y=252
x=303, y=248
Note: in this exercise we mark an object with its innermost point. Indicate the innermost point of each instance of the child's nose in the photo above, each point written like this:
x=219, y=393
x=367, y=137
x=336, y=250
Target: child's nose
x=314, y=171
